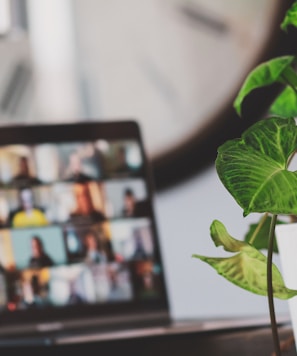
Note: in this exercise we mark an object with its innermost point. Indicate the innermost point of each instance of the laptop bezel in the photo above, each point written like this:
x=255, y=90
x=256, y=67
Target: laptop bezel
x=107, y=315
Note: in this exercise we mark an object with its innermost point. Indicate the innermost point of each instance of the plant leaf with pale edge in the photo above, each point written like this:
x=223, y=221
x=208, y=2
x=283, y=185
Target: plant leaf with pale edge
x=248, y=268
x=254, y=168
x=290, y=18
x=285, y=104
x=264, y=74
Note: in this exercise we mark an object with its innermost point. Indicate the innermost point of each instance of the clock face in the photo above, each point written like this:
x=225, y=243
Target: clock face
x=172, y=65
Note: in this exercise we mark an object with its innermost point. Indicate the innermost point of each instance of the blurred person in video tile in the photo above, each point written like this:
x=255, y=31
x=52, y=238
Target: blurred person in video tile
x=27, y=215
x=133, y=207
x=35, y=293
x=120, y=284
x=84, y=212
x=122, y=166
x=95, y=252
x=23, y=178
x=129, y=203
x=140, y=252
x=39, y=257
x=74, y=171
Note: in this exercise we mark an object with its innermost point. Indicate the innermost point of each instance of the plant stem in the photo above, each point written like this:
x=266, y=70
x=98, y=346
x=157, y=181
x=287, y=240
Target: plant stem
x=258, y=228
x=273, y=323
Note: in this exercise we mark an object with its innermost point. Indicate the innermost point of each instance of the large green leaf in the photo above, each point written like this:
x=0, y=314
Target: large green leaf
x=254, y=168
x=247, y=268
x=290, y=18
x=285, y=104
x=264, y=74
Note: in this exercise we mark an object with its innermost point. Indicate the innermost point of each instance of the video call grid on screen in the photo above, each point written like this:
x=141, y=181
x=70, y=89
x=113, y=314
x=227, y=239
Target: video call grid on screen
x=76, y=226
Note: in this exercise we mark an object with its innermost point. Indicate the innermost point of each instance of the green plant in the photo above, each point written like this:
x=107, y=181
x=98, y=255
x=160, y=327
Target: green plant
x=255, y=171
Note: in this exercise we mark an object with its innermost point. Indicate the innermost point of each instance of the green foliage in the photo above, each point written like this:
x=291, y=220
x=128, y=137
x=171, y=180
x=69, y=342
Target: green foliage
x=247, y=268
x=290, y=18
x=274, y=71
x=254, y=169
x=285, y=104
x=258, y=232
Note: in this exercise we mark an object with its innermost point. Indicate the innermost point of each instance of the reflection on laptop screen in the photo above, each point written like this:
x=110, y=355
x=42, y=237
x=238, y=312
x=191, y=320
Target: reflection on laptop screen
x=77, y=231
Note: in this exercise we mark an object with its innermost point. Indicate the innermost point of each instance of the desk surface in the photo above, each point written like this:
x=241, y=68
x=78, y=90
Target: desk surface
x=217, y=338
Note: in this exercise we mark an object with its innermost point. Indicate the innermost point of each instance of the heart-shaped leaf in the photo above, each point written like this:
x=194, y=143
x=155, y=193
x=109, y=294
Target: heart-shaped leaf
x=247, y=268
x=254, y=168
x=264, y=74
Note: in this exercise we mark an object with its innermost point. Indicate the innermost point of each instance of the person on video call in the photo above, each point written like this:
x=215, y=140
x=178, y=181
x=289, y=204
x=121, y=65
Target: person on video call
x=28, y=214
x=39, y=257
x=84, y=211
x=118, y=288
x=129, y=203
x=35, y=293
x=132, y=207
x=23, y=178
x=140, y=251
x=94, y=251
x=74, y=171
x=121, y=161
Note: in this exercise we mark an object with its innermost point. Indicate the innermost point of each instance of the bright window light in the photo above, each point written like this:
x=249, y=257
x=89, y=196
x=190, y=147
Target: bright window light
x=5, y=19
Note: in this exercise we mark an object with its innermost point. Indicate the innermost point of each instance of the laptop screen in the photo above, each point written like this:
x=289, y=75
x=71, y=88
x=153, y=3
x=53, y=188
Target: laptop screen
x=78, y=237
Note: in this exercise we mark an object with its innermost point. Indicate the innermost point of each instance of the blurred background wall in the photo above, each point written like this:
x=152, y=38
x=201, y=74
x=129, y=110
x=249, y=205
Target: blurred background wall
x=52, y=70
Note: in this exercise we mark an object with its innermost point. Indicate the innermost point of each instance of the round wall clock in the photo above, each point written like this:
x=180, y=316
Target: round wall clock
x=175, y=66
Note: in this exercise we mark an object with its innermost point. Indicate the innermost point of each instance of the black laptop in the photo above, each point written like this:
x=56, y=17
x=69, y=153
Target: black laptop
x=79, y=250
x=80, y=259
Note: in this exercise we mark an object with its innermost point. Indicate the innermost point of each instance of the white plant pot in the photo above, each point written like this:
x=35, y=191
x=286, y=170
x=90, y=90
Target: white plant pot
x=286, y=237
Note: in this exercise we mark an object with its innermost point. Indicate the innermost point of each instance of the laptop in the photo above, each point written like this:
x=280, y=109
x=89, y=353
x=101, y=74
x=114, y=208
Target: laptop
x=80, y=258
x=79, y=248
